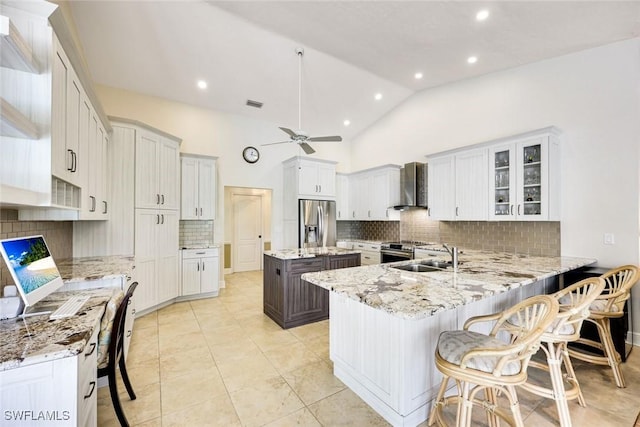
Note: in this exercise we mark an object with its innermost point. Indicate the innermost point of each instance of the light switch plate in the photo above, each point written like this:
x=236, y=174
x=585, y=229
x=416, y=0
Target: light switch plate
x=609, y=239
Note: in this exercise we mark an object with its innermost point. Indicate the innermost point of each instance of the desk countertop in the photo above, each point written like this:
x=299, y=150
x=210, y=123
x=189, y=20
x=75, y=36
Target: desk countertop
x=94, y=268
x=37, y=339
x=418, y=295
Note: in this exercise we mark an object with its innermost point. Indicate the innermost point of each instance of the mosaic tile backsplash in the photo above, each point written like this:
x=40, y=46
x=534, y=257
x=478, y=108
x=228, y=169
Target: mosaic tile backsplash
x=57, y=234
x=532, y=238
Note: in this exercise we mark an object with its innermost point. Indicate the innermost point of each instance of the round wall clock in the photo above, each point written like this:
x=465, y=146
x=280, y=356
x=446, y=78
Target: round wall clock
x=251, y=154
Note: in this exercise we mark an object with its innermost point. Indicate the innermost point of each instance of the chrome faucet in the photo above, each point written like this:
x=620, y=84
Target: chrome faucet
x=453, y=251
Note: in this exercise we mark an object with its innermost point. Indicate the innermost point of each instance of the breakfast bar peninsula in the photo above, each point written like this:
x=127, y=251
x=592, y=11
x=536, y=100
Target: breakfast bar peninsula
x=385, y=321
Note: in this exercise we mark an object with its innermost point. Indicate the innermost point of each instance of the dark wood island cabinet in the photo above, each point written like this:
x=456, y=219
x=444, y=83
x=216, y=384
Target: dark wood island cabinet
x=291, y=301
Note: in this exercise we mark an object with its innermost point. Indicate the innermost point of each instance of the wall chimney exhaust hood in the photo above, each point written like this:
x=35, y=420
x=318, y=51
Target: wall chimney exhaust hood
x=413, y=186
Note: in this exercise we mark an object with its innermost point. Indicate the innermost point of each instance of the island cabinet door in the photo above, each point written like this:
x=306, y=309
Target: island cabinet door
x=304, y=301
x=273, y=291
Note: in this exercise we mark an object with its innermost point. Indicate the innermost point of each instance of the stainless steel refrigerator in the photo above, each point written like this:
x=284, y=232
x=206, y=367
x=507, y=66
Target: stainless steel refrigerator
x=316, y=223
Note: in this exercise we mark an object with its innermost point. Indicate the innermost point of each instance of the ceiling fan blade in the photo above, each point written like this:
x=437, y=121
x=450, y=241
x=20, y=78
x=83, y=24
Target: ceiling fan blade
x=306, y=147
x=289, y=132
x=326, y=138
x=273, y=143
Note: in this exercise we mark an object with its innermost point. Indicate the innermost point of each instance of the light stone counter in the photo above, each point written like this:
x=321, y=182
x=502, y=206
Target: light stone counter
x=309, y=252
x=95, y=268
x=417, y=295
x=37, y=339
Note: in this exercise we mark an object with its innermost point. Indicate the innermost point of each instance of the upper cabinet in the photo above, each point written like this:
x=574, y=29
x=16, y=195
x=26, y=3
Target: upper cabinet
x=373, y=192
x=311, y=178
x=458, y=186
x=524, y=177
x=157, y=166
x=342, y=197
x=513, y=178
x=198, y=187
x=48, y=158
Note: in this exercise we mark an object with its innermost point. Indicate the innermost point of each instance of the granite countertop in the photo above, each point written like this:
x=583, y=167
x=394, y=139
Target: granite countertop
x=310, y=252
x=37, y=339
x=94, y=268
x=199, y=247
x=417, y=295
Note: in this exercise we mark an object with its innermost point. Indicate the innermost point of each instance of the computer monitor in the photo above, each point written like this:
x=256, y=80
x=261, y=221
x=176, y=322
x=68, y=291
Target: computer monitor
x=32, y=267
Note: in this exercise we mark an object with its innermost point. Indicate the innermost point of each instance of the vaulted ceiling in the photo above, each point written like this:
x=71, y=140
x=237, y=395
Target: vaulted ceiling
x=353, y=50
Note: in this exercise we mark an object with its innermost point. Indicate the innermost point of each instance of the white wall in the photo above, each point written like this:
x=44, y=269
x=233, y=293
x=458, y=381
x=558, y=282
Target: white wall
x=215, y=133
x=593, y=96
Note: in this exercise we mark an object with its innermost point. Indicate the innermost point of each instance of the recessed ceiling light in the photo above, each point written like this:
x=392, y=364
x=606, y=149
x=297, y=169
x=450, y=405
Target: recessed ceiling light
x=482, y=15
x=347, y=122
x=418, y=76
x=202, y=84
x=378, y=96
x=472, y=59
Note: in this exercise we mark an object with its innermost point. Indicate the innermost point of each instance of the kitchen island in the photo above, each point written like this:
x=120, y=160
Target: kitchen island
x=290, y=301
x=385, y=322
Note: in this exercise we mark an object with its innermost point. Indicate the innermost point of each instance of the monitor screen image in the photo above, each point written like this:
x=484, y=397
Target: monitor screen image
x=32, y=267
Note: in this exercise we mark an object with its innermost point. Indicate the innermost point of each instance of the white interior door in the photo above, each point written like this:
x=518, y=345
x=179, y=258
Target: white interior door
x=247, y=213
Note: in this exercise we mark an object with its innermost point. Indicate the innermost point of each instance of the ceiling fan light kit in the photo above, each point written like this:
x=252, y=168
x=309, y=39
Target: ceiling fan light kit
x=300, y=137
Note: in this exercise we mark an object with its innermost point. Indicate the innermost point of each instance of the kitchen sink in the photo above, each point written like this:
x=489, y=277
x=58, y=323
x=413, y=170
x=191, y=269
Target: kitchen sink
x=418, y=268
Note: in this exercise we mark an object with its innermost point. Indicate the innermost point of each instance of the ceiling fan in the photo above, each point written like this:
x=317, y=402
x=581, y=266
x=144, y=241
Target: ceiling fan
x=300, y=137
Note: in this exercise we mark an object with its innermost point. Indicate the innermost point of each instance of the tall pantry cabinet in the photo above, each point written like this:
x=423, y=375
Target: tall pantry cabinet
x=146, y=208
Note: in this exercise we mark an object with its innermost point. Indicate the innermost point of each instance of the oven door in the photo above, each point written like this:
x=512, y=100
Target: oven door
x=391, y=255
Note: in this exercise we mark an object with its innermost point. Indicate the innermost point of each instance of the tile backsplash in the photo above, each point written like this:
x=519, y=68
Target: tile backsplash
x=196, y=233
x=57, y=234
x=532, y=238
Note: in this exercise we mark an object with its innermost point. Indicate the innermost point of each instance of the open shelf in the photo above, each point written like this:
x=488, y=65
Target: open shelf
x=15, y=52
x=15, y=124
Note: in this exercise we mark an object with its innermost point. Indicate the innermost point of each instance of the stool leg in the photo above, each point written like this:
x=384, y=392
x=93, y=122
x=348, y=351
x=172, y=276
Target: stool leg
x=438, y=403
x=571, y=374
x=465, y=406
x=604, y=330
x=491, y=398
x=559, y=395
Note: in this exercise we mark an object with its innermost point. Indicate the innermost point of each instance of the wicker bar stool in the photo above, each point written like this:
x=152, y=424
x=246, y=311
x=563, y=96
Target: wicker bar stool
x=479, y=362
x=610, y=304
x=574, y=309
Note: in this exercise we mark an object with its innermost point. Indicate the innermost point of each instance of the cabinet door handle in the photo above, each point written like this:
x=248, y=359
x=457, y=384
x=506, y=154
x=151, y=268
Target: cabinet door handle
x=106, y=207
x=518, y=209
x=157, y=199
x=74, y=161
x=162, y=216
x=196, y=211
x=93, y=348
x=456, y=211
x=202, y=265
x=162, y=203
x=70, y=168
x=157, y=219
x=369, y=214
x=320, y=188
x=93, y=204
x=511, y=209
x=93, y=388
x=428, y=211
x=198, y=266
x=200, y=211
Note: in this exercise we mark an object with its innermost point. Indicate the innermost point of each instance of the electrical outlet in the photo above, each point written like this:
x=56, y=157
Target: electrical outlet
x=609, y=239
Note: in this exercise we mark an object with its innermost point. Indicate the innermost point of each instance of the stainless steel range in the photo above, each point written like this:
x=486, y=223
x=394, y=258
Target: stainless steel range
x=398, y=251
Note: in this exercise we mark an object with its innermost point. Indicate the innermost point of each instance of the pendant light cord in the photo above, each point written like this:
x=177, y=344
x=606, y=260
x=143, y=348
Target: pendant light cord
x=299, y=90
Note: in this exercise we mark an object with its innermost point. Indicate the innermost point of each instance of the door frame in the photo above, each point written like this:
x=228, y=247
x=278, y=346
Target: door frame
x=234, y=258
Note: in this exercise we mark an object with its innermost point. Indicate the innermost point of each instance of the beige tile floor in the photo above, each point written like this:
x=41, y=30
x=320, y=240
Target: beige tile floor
x=221, y=362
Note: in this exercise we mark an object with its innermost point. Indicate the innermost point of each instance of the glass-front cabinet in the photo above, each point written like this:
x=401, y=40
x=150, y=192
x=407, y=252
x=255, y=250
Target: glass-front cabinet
x=524, y=178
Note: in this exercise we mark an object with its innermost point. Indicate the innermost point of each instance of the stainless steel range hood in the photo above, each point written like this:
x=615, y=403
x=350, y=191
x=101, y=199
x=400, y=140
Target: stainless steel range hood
x=413, y=186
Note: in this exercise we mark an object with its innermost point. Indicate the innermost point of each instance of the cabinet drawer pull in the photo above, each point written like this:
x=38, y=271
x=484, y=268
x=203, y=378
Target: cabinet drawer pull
x=93, y=348
x=93, y=388
x=200, y=253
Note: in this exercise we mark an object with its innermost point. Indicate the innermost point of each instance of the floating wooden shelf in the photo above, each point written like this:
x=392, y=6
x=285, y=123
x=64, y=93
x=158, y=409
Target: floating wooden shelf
x=15, y=124
x=15, y=52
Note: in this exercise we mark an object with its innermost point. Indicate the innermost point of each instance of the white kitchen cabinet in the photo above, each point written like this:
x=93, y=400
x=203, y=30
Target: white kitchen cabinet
x=369, y=252
x=524, y=177
x=307, y=178
x=157, y=171
x=198, y=187
x=200, y=272
x=344, y=244
x=458, y=185
x=373, y=192
x=67, y=386
x=342, y=197
x=156, y=257
x=95, y=196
